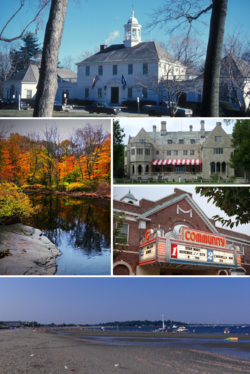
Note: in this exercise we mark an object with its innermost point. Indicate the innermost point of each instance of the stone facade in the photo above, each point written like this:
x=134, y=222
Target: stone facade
x=165, y=214
x=196, y=153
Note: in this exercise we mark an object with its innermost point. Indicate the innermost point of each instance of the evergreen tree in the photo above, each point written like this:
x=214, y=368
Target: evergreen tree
x=30, y=50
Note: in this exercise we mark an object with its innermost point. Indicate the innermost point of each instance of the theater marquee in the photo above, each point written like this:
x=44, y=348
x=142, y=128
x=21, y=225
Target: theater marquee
x=190, y=247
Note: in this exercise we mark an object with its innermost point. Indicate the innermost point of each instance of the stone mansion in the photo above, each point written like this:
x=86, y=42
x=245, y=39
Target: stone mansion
x=181, y=154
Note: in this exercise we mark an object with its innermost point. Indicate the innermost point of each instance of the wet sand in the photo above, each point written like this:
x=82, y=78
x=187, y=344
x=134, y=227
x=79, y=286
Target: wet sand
x=25, y=351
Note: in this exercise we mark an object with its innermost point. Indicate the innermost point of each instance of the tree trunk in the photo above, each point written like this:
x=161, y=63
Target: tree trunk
x=210, y=100
x=47, y=84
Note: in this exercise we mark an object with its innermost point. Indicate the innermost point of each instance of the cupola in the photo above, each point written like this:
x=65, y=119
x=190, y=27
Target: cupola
x=132, y=32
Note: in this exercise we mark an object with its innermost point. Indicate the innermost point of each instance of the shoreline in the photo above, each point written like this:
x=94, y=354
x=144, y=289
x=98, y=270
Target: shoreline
x=72, y=194
x=45, y=352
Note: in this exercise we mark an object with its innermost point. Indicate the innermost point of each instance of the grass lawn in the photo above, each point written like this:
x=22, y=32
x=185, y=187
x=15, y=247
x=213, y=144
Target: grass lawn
x=29, y=113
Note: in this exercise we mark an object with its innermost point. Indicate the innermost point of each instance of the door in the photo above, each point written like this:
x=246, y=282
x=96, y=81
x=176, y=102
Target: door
x=114, y=95
x=65, y=96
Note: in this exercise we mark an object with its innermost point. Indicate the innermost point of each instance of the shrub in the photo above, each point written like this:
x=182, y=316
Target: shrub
x=77, y=187
x=14, y=203
x=233, y=177
x=103, y=188
x=33, y=187
x=215, y=176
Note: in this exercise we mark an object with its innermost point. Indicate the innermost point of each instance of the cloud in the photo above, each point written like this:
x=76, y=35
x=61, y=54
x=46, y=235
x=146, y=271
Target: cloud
x=112, y=36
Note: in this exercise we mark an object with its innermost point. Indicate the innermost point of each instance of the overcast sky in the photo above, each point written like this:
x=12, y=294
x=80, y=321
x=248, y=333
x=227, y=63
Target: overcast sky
x=96, y=300
x=133, y=126
x=65, y=126
x=157, y=192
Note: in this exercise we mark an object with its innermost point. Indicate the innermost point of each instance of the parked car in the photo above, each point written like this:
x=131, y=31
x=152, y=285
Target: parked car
x=228, y=110
x=100, y=107
x=163, y=110
x=57, y=106
x=13, y=104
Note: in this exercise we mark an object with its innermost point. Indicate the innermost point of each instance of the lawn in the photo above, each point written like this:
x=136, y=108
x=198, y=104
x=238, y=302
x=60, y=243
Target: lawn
x=29, y=113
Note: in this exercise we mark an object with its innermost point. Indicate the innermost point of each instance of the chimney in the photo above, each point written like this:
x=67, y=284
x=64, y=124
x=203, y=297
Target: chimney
x=191, y=128
x=202, y=129
x=102, y=47
x=218, y=124
x=163, y=127
x=154, y=128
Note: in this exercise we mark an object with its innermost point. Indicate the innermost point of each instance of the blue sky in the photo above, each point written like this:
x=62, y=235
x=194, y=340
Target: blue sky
x=92, y=22
x=95, y=300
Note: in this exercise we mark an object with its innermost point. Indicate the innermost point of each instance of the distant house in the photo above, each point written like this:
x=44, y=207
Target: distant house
x=235, y=81
x=24, y=83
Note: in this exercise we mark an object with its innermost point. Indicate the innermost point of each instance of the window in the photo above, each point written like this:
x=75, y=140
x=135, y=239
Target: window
x=87, y=70
x=217, y=138
x=147, y=152
x=145, y=68
x=140, y=151
x=175, y=153
x=125, y=153
x=114, y=69
x=181, y=141
x=142, y=140
x=223, y=167
x=170, y=141
x=133, y=152
x=212, y=165
x=185, y=153
x=100, y=70
x=218, y=151
x=29, y=94
x=99, y=92
x=168, y=153
x=123, y=233
x=192, y=141
x=147, y=169
x=180, y=168
x=224, y=92
x=157, y=152
x=86, y=92
x=145, y=93
x=191, y=153
x=130, y=68
x=130, y=93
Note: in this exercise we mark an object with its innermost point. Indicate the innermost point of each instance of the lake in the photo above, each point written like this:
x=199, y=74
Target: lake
x=80, y=228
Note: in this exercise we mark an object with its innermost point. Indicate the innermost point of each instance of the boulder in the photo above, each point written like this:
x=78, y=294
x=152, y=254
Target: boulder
x=30, y=253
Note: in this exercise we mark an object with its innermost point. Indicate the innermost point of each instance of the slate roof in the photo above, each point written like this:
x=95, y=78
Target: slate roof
x=236, y=64
x=175, y=136
x=31, y=74
x=118, y=52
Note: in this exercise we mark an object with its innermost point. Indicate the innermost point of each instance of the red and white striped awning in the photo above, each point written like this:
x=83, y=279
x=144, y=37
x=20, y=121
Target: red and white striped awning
x=176, y=162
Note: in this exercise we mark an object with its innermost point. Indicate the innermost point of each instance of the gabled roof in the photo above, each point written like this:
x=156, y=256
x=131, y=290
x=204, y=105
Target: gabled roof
x=176, y=199
x=148, y=51
x=31, y=74
x=236, y=65
x=28, y=74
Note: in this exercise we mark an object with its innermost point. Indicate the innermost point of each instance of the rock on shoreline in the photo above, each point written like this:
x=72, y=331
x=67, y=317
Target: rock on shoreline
x=31, y=253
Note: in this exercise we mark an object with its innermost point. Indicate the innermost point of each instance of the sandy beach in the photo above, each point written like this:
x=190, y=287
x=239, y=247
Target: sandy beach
x=26, y=351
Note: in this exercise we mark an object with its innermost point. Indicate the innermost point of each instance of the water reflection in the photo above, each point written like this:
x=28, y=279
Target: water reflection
x=80, y=228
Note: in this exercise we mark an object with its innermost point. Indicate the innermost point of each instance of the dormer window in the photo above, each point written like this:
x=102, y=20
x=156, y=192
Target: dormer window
x=142, y=140
x=181, y=141
x=170, y=141
x=192, y=141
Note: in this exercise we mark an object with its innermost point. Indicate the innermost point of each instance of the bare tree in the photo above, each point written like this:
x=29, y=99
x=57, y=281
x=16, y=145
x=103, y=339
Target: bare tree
x=182, y=13
x=88, y=143
x=47, y=84
x=69, y=63
x=87, y=53
x=7, y=64
x=235, y=71
x=37, y=17
x=168, y=80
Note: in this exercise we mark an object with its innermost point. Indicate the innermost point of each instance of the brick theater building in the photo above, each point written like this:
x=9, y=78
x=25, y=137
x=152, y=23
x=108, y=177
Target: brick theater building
x=174, y=236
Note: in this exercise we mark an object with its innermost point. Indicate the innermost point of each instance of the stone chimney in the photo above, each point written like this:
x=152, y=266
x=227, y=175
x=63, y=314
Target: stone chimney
x=218, y=124
x=154, y=128
x=191, y=128
x=202, y=129
x=163, y=127
x=102, y=47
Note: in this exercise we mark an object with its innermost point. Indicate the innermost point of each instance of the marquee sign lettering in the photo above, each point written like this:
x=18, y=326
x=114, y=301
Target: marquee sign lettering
x=195, y=236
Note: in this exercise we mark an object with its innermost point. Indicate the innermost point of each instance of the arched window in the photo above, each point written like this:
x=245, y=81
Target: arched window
x=147, y=169
x=139, y=169
x=223, y=167
x=212, y=165
x=133, y=169
x=218, y=167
